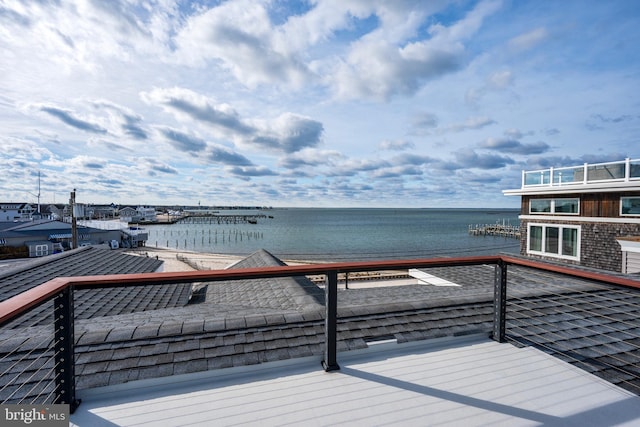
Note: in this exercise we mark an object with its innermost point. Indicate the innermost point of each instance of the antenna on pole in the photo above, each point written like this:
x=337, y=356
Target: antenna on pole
x=74, y=223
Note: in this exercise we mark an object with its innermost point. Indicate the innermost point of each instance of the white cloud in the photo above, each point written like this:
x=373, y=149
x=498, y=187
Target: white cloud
x=355, y=101
x=86, y=163
x=495, y=82
x=240, y=36
x=471, y=123
x=528, y=40
x=70, y=118
x=396, y=145
x=310, y=157
x=188, y=105
x=381, y=68
x=286, y=133
x=500, y=79
x=22, y=150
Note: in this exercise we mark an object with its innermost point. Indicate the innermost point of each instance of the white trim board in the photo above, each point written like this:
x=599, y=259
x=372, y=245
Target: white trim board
x=425, y=278
x=570, y=218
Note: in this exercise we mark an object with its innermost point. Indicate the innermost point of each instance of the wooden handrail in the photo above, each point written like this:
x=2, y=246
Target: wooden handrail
x=575, y=272
x=21, y=303
x=15, y=306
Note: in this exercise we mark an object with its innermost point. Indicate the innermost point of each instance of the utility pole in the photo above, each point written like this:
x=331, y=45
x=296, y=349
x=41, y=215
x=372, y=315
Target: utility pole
x=74, y=224
x=39, y=213
x=37, y=195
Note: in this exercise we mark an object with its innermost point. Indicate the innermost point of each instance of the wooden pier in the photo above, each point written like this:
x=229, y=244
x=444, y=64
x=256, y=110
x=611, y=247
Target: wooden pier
x=500, y=230
x=220, y=219
x=210, y=218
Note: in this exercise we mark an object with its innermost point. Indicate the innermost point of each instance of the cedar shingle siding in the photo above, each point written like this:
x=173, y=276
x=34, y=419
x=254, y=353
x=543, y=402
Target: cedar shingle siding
x=599, y=248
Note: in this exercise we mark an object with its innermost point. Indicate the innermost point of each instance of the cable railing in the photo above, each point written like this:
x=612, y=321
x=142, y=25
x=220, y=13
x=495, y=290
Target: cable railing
x=582, y=327
x=37, y=363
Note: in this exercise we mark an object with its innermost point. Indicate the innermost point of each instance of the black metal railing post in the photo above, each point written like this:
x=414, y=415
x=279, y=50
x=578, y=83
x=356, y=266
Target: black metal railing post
x=500, y=302
x=331, y=322
x=64, y=357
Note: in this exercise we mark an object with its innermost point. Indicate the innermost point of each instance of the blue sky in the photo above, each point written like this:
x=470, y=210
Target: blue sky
x=321, y=103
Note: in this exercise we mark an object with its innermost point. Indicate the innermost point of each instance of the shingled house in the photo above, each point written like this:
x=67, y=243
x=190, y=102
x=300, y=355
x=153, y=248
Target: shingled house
x=586, y=215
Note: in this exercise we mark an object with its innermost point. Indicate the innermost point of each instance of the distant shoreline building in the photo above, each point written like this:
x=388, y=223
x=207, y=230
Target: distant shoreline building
x=587, y=215
x=45, y=237
x=11, y=212
x=22, y=212
x=141, y=214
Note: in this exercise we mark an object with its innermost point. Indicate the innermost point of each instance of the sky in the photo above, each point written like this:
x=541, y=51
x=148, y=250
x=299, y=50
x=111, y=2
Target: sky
x=319, y=103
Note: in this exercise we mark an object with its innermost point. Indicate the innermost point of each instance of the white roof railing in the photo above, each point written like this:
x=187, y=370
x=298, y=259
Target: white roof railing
x=595, y=173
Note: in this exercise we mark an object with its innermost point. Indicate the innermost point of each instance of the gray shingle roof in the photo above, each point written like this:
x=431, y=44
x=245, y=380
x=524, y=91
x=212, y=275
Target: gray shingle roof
x=83, y=261
x=92, y=303
x=284, y=293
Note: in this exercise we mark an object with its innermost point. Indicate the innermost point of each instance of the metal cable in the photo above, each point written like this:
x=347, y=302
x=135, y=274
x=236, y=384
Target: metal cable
x=51, y=393
x=24, y=357
x=570, y=296
x=528, y=335
x=25, y=381
x=542, y=315
x=52, y=380
x=558, y=349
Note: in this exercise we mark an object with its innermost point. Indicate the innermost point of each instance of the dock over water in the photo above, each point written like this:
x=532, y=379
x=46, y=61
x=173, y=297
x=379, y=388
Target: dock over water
x=501, y=230
x=220, y=219
x=208, y=218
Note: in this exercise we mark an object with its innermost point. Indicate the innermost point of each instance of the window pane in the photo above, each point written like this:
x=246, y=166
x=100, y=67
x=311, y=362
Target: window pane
x=566, y=205
x=631, y=205
x=570, y=241
x=551, y=240
x=540, y=205
x=535, y=238
x=605, y=172
x=537, y=178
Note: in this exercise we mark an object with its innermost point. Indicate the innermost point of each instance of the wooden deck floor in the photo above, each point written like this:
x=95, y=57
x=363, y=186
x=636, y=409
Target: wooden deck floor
x=464, y=382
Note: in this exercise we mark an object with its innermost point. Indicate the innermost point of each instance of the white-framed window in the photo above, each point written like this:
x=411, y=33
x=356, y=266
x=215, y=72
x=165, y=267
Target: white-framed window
x=555, y=206
x=630, y=206
x=42, y=250
x=540, y=206
x=555, y=240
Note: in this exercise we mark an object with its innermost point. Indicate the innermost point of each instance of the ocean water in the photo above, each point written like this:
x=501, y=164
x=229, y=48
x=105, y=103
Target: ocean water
x=341, y=234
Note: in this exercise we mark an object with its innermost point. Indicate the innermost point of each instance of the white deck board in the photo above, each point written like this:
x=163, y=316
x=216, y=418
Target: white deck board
x=478, y=382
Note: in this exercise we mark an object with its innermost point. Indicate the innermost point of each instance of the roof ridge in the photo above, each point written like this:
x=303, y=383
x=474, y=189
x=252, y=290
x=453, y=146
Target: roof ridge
x=296, y=292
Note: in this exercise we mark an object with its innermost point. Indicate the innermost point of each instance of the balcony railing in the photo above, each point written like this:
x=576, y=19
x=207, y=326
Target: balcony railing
x=54, y=368
x=623, y=171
